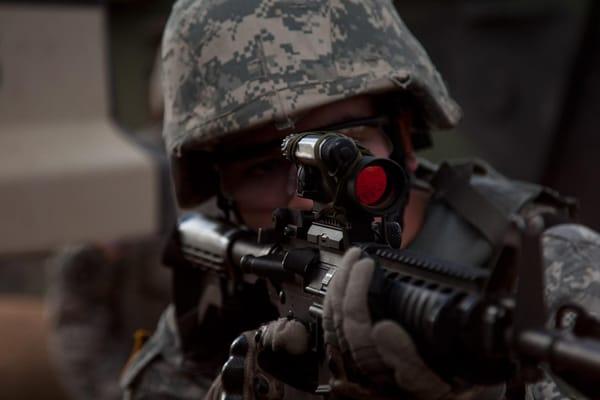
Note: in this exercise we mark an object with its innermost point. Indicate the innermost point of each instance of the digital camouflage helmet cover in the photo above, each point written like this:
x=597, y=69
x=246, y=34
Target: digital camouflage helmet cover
x=232, y=66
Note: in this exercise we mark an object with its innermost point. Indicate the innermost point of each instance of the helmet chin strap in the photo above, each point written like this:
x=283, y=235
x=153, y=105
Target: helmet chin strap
x=229, y=207
x=394, y=131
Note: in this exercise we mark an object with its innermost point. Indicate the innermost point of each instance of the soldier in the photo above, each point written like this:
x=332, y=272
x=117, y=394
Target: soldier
x=241, y=75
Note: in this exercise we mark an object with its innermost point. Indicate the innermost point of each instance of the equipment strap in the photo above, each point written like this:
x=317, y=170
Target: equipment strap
x=452, y=184
x=185, y=279
x=186, y=298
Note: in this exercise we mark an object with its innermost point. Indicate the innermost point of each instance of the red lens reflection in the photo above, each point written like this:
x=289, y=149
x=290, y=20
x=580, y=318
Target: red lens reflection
x=370, y=185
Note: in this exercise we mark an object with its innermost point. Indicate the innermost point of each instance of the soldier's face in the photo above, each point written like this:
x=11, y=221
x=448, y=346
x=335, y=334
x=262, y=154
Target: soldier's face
x=267, y=181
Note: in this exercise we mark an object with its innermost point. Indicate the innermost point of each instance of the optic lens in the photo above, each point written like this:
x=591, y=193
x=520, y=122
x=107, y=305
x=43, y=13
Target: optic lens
x=370, y=185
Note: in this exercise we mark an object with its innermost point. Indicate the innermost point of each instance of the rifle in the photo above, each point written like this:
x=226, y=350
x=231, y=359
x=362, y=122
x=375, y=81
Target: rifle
x=468, y=323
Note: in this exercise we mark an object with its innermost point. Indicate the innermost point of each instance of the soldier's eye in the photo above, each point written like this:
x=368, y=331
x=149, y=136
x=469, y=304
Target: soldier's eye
x=267, y=168
x=373, y=138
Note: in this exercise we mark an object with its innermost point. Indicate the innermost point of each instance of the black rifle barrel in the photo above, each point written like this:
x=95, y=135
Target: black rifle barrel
x=560, y=353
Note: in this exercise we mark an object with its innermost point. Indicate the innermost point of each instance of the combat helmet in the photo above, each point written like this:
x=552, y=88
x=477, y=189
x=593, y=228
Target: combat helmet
x=232, y=66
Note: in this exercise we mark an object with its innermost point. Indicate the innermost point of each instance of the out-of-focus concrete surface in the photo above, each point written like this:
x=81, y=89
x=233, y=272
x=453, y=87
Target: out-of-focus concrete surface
x=26, y=370
x=66, y=172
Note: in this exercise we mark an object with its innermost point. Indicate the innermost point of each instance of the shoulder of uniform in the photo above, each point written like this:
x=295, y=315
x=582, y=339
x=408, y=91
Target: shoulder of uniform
x=159, y=368
x=572, y=259
x=572, y=233
x=509, y=195
x=571, y=243
x=164, y=341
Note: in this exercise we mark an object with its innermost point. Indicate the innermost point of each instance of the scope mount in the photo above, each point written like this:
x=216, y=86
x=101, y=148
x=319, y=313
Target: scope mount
x=356, y=197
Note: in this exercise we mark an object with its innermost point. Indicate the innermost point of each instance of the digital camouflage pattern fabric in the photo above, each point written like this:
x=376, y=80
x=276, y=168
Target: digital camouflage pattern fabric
x=571, y=254
x=230, y=66
x=160, y=370
x=96, y=299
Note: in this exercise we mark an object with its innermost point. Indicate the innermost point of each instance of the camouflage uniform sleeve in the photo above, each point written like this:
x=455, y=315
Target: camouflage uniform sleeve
x=98, y=294
x=572, y=260
x=81, y=280
x=160, y=371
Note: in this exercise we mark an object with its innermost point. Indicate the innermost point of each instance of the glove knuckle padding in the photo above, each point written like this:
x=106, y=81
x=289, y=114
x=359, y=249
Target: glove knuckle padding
x=289, y=336
x=242, y=377
x=236, y=374
x=358, y=325
x=351, y=256
x=328, y=326
x=355, y=306
x=336, y=293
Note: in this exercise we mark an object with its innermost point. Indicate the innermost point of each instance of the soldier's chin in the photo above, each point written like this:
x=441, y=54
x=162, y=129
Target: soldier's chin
x=262, y=218
x=298, y=203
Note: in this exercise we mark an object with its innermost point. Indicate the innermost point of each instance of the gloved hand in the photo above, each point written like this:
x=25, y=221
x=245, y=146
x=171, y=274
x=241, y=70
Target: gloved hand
x=383, y=353
x=242, y=377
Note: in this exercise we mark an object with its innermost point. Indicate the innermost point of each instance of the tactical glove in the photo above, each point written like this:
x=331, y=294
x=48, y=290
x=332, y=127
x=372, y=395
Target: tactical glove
x=242, y=377
x=382, y=353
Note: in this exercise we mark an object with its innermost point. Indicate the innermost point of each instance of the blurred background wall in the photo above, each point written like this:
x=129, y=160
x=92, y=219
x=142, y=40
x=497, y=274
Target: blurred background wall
x=84, y=197
x=526, y=73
